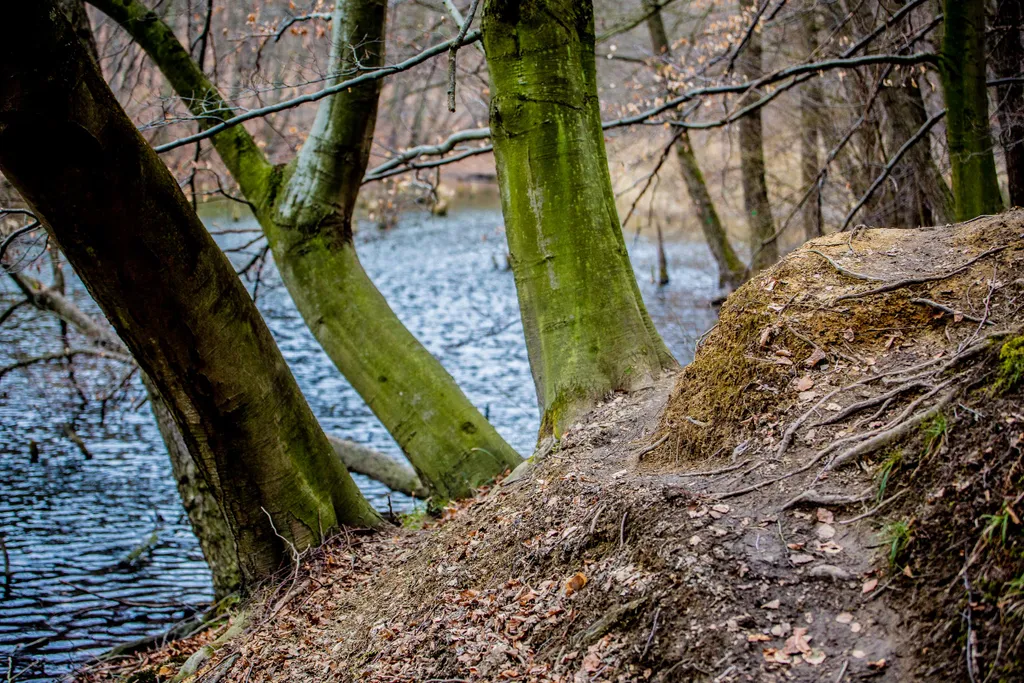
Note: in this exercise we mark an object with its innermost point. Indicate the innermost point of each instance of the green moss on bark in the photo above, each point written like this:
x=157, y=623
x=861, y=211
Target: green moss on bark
x=587, y=330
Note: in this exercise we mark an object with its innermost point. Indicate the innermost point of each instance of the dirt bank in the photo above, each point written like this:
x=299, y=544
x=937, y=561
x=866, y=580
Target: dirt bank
x=829, y=492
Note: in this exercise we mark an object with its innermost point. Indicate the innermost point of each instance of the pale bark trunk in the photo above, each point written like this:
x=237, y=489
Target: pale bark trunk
x=587, y=330
x=170, y=293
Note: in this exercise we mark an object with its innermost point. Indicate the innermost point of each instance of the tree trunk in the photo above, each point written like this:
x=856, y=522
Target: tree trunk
x=198, y=499
x=922, y=196
x=1008, y=62
x=587, y=330
x=305, y=209
x=962, y=67
x=731, y=271
x=172, y=296
x=755, y=188
x=811, y=110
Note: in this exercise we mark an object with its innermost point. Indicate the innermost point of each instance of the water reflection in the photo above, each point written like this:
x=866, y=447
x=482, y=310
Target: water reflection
x=69, y=524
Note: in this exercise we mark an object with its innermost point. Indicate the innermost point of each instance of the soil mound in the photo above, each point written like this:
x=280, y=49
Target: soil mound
x=831, y=491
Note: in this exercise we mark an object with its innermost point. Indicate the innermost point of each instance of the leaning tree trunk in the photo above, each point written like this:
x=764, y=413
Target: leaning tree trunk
x=587, y=331
x=763, y=246
x=305, y=209
x=962, y=67
x=199, y=500
x=1008, y=63
x=731, y=271
x=172, y=296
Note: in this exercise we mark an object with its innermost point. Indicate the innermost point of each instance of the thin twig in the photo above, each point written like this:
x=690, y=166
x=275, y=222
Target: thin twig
x=454, y=51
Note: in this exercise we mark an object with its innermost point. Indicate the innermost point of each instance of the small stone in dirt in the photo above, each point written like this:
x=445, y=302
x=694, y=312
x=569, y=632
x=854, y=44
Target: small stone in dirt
x=808, y=617
x=807, y=396
x=829, y=571
x=780, y=630
x=774, y=604
x=834, y=407
x=801, y=558
x=844, y=618
x=694, y=540
x=859, y=654
x=721, y=509
x=855, y=627
x=825, y=531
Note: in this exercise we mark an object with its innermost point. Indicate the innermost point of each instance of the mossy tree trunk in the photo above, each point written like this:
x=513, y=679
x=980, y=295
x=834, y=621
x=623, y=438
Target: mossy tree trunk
x=587, y=331
x=962, y=67
x=731, y=270
x=764, y=249
x=305, y=209
x=1008, y=63
x=172, y=296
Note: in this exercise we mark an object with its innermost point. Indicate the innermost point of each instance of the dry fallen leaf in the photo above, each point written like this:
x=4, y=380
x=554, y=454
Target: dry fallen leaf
x=825, y=531
x=816, y=357
x=807, y=396
x=798, y=642
x=576, y=582
x=848, y=334
x=804, y=383
x=814, y=657
x=757, y=637
x=877, y=665
x=774, y=604
x=834, y=407
x=801, y=558
x=824, y=516
x=869, y=586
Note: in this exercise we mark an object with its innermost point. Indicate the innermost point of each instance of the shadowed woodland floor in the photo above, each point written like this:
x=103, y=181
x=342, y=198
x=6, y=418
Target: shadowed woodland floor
x=831, y=491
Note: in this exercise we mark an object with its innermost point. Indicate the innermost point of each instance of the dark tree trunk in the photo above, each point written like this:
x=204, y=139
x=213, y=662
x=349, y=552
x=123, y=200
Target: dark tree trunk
x=922, y=196
x=962, y=65
x=1008, y=62
x=764, y=249
x=811, y=110
x=170, y=293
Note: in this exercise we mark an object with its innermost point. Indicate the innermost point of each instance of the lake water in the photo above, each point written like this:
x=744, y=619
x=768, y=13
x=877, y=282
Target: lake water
x=68, y=523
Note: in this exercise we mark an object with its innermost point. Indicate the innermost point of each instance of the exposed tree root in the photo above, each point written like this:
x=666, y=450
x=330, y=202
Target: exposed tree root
x=907, y=282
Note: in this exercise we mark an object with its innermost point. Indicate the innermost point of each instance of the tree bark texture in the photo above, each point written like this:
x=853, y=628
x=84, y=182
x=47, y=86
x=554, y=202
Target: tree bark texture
x=764, y=250
x=305, y=209
x=962, y=66
x=170, y=293
x=587, y=330
x=921, y=196
x=1008, y=62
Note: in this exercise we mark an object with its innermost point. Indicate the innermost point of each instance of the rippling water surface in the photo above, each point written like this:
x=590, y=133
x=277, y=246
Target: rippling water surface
x=69, y=524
